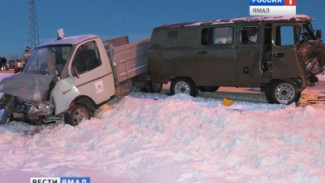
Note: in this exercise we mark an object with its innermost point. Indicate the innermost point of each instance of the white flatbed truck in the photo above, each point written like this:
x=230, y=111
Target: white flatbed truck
x=70, y=77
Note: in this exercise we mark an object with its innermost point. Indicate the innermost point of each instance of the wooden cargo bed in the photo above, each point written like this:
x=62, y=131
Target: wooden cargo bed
x=128, y=59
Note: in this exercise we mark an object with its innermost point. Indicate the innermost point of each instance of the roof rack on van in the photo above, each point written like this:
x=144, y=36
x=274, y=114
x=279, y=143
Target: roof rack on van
x=293, y=18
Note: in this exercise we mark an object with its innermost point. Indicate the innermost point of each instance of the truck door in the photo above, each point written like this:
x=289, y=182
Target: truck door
x=217, y=56
x=92, y=73
x=249, y=61
x=285, y=63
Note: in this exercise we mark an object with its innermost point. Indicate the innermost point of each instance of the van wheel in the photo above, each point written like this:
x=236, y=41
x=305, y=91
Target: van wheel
x=282, y=92
x=154, y=87
x=209, y=88
x=184, y=86
x=78, y=113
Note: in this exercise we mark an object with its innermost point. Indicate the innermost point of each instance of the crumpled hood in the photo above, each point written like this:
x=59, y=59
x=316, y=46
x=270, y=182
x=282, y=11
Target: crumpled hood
x=26, y=85
x=314, y=48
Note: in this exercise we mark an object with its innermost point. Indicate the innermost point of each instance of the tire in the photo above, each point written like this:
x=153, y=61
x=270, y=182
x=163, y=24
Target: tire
x=282, y=92
x=154, y=87
x=78, y=113
x=184, y=86
x=209, y=88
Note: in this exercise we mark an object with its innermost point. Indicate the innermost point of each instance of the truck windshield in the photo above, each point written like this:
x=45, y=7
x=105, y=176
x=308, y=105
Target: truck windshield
x=307, y=33
x=48, y=60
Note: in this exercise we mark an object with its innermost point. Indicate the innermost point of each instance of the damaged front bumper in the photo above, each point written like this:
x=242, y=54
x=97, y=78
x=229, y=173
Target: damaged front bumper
x=14, y=108
x=31, y=111
x=26, y=98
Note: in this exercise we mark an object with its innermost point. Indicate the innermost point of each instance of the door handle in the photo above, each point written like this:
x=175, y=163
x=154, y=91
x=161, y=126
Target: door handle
x=278, y=54
x=202, y=52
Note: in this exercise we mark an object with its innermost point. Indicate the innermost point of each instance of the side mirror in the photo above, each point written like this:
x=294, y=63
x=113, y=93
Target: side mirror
x=76, y=73
x=319, y=34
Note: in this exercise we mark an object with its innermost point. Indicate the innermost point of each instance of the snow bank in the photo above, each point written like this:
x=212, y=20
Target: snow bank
x=157, y=138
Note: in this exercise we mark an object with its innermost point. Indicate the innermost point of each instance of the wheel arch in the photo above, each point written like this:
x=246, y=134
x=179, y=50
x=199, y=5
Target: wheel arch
x=182, y=77
x=298, y=82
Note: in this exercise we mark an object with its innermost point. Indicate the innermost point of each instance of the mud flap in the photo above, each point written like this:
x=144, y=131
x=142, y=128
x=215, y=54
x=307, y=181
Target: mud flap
x=124, y=88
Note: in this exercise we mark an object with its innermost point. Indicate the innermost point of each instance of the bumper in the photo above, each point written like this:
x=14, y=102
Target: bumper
x=21, y=110
x=35, y=112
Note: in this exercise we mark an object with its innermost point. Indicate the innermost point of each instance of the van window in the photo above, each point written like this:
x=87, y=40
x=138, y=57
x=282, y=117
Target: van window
x=217, y=36
x=86, y=58
x=285, y=36
x=248, y=35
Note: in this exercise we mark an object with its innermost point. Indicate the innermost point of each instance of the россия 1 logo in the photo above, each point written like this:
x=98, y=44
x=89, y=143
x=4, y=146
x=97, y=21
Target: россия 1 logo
x=272, y=7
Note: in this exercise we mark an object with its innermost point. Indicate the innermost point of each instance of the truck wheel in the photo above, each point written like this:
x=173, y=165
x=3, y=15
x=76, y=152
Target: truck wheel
x=78, y=113
x=209, y=88
x=154, y=87
x=282, y=92
x=184, y=86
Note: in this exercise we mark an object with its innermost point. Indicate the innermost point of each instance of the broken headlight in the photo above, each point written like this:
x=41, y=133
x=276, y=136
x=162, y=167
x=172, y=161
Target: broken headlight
x=42, y=108
x=39, y=108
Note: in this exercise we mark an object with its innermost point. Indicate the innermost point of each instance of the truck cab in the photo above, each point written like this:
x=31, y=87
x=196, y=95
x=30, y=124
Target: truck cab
x=272, y=53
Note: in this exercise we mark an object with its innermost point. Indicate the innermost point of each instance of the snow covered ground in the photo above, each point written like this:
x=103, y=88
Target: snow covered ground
x=157, y=138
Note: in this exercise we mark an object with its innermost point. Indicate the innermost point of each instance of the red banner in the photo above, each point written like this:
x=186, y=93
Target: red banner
x=290, y=2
